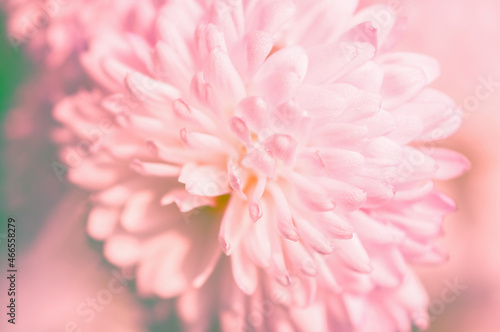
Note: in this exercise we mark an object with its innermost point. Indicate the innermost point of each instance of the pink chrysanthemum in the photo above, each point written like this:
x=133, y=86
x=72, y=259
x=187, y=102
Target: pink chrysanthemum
x=264, y=160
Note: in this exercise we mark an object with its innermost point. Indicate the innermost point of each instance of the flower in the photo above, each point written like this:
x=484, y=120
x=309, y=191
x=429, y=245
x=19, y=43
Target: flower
x=276, y=153
x=85, y=296
x=54, y=31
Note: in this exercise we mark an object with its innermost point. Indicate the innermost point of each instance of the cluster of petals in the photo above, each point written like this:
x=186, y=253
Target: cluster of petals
x=267, y=161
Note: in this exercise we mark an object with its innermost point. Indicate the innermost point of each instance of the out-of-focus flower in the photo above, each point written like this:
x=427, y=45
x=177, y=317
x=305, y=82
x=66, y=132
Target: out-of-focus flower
x=54, y=31
x=62, y=285
x=285, y=136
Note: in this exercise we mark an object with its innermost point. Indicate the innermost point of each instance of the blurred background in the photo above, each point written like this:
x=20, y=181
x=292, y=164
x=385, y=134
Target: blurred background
x=464, y=35
x=14, y=69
